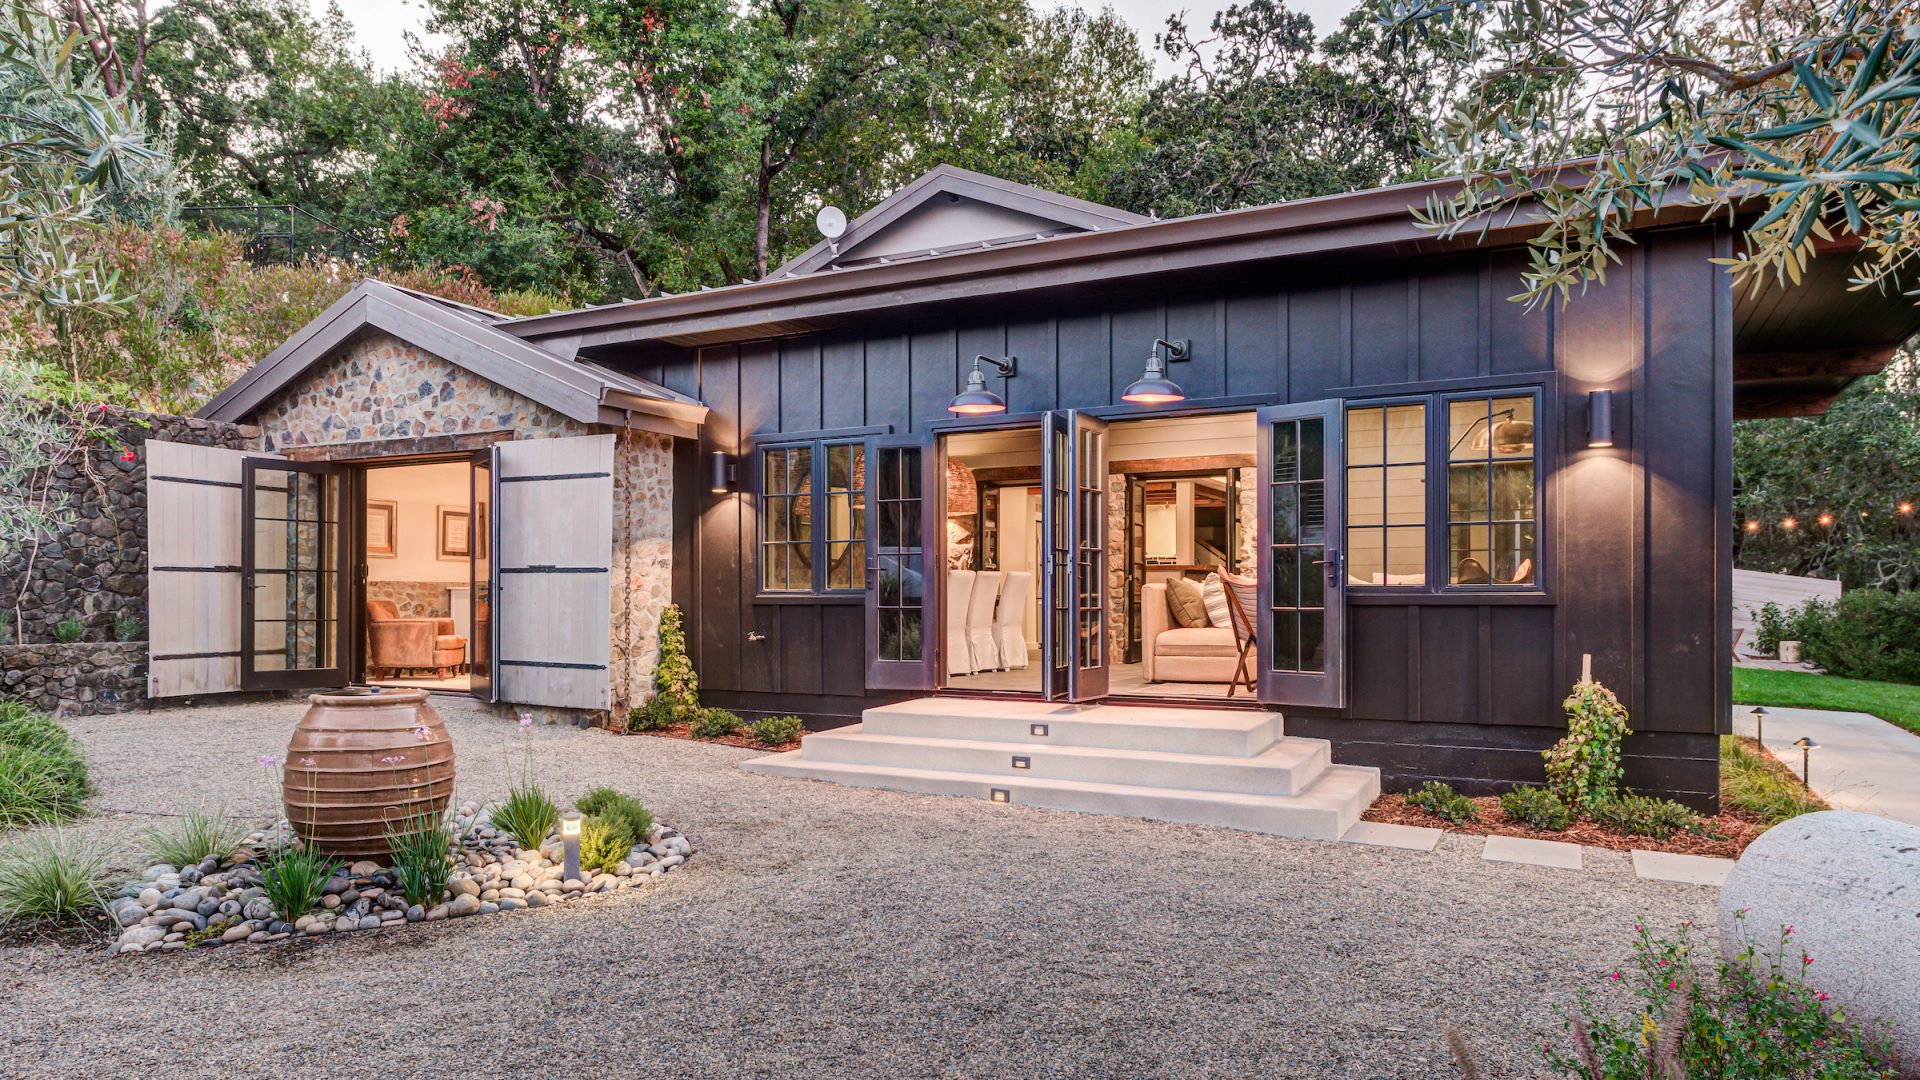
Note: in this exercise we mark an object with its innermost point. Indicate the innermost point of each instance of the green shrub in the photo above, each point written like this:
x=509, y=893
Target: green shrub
x=1536, y=808
x=1774, y=624
x=68, y=630
x=620, y=810
x=1760, y=788
x=1443, y=802
x=527, y=814
x=774, y=730
x=1865, y=634
x=194, y=835
x=713, y=723
x=675, y=685
x=422, y=848
x=655, y=715
x=43, y=777
x=1749, y=1018
x=53, y=874
x=1642, y=815
x=604, y=844
x=127, y=628
x=1583, y=769
x=294, y=878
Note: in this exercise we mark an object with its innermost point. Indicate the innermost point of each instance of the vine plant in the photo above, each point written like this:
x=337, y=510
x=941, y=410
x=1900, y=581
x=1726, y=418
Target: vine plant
x=1584, y=768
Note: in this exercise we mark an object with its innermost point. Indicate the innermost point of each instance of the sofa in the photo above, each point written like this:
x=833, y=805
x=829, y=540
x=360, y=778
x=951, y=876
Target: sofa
x=396, y=645
x=1173, y=653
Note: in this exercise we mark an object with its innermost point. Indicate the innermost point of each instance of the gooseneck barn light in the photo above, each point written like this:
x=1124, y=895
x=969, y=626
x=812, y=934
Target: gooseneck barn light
x=1153, y=387
x=976, y=399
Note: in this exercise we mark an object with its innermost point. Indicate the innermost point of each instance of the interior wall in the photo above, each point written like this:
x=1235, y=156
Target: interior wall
x=420, y=490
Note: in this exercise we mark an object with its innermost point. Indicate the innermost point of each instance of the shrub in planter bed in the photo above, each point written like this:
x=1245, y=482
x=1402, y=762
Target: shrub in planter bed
x=53, y=874
x=1536, y=808
x=294, y=878
x=1641, y=815
x=422, y=849
x=619, y=809
x=653, y=716
x=1443, y=802
x=43, y=778
x=527, y=814
x=194, y=835
x=68, y=630
x=713, y=723
x=604, y=844
x=774, y=730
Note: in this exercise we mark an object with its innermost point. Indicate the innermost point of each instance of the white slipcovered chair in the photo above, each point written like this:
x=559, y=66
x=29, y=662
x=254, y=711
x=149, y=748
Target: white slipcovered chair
x=986, y=590
x=1009, y=621
x=959, y=595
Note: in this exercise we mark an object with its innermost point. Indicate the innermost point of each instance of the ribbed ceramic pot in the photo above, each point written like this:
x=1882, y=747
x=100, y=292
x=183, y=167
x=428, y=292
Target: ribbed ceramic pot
x=358, y=763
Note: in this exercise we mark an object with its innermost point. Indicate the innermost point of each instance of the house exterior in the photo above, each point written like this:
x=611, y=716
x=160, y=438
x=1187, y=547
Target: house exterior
x=1443, y=507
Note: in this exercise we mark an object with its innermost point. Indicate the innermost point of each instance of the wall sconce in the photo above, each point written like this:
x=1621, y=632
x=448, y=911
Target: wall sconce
x=1600, y=418
x=1153, y=387
x=570, y=839
x=976, y=399
x=725, y=475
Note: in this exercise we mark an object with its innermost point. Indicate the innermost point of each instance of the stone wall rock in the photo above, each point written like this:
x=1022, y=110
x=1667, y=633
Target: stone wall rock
x=80, y=679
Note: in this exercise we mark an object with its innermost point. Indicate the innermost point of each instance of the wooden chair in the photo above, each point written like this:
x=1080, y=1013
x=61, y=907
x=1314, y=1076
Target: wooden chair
x=1243, y=597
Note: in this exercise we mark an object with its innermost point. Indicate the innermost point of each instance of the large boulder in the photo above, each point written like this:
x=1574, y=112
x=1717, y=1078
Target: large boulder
x=1849, y=886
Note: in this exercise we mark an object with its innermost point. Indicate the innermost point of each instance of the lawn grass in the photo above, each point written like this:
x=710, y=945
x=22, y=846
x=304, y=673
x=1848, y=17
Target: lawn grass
x=1754, y=785
x=1892, y=702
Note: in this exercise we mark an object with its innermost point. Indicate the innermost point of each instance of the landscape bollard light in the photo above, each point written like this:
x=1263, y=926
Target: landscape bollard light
x=1807, y=747
x=1760, y=724
x=570, y=840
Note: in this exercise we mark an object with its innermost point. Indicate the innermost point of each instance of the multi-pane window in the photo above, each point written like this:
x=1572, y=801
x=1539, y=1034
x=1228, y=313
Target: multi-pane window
x=813, y=518
x=900, y=555
x=1490, y=491
x=1387, y=494
x=786, y=519
x=1298, y=491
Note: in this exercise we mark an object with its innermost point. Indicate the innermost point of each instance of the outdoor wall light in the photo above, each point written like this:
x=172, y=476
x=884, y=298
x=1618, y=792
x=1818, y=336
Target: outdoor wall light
x=1807, y=747
x=1600, y=418
x=723, y=471
x=570, y=839
x=1153, y=387
x=976, y=399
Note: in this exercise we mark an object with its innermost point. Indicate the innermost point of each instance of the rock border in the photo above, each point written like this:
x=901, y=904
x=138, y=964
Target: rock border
x=221, y=902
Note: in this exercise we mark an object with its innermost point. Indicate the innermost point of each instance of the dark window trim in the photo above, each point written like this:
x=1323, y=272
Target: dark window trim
x=1347, y=405
x=816, y=443
x=1435, y=394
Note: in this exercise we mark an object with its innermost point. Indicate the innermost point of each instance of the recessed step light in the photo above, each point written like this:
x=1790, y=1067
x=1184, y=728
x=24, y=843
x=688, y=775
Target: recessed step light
x=1020, y=762
x=1038, y=731
x=1000, y=794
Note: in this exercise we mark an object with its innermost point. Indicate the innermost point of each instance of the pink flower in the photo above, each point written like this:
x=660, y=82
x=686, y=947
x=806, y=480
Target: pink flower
x=129, y=455
x=1789, y=931
x=1673, y=984
x=268, y=761
x=307, y=761
x=1823, y=997
x=1805, y=959
x=1615, y=976
x=394, y=760
x=526, y=720
x=422, y=733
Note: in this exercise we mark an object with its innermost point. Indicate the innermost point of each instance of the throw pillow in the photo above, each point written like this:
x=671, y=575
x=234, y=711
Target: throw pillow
x=1214, y=594
x=1186, y=604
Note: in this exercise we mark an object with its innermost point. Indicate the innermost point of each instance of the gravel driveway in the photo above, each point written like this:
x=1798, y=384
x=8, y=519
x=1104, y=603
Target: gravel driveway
x=830, y=931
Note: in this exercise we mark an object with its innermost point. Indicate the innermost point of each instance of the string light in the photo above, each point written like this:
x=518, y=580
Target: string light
x=1826, y=519
x=1789, y=524
x=1753, y=526
x=1906, y=508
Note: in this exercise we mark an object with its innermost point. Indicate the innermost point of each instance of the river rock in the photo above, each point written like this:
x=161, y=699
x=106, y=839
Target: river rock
x=1849, y=886
x=464, y=904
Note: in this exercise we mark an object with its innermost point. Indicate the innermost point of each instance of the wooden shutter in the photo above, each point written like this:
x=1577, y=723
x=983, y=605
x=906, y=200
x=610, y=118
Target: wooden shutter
x=554, y=507
x=193, y=568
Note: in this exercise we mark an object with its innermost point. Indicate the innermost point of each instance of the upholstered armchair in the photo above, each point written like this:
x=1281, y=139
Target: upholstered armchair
x=399, y=645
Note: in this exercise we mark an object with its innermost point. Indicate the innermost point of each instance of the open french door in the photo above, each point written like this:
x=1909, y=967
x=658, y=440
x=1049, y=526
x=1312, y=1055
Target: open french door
x=1073, y=556
x=901, y=608
x=486, y=537
x=1301, y=626
x=293, y=575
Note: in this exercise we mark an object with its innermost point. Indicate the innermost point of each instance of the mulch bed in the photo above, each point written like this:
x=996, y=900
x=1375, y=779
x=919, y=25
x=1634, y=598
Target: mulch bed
x=1736, y=833
x=744, y=742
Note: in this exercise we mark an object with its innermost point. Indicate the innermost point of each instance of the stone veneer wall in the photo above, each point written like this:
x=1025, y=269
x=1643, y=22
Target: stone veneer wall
x=379, y=387
x=95, y=569
x=414, y=599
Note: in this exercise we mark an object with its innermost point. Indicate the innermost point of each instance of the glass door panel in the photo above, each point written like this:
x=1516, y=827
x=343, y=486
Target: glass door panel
x=1301, y=636
x=900, y=651
x=480, y=646
x=293, y=580
x=1073, y=466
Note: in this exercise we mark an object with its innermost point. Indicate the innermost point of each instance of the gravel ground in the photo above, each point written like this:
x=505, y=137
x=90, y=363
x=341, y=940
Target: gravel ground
x=822, y=930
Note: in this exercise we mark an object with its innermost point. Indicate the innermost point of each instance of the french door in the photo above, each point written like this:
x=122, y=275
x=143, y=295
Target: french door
x=481, y=646
x=1073, y=556
x=293, y=575
x=902, y=616
x=1301, y=626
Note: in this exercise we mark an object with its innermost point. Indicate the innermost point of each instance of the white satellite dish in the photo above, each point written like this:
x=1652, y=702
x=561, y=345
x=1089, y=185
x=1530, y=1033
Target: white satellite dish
x=831, y=222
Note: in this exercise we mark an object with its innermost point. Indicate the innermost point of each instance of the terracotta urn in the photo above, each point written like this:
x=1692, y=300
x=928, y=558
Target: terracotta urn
x=362, y=760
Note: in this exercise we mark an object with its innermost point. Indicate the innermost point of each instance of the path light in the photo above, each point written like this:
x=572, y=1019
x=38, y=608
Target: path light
x=1760, y=724
x=976, y=399
x=1153, y=387
x=570, y=839
x=1807, y=747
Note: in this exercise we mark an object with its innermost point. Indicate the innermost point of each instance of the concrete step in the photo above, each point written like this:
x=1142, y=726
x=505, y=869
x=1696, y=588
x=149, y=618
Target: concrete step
x=1212, y=732
x=1323, y=812
x=1288, y=767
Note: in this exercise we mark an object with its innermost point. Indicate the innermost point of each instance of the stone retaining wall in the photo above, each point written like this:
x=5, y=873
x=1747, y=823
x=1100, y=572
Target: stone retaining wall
x=80, y=679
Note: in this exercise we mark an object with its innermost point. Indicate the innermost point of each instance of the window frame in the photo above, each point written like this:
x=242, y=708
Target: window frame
x=1438, y=398
x=1387, y=401
x=817, y=446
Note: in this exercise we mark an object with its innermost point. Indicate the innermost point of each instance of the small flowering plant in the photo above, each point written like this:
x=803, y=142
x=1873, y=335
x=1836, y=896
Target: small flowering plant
x=294, y=875
x=1750, y=1017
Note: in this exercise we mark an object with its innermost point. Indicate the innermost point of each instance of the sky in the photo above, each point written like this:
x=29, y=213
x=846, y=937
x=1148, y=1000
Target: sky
x=382, y=25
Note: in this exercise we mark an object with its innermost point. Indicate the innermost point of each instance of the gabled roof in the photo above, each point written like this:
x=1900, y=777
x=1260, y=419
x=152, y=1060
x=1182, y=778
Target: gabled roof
x=949, y=209
x=470, y=338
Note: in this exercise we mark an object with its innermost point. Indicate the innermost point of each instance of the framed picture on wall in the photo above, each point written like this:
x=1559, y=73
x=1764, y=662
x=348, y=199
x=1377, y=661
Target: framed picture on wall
x=452, y=543
x=382, y=529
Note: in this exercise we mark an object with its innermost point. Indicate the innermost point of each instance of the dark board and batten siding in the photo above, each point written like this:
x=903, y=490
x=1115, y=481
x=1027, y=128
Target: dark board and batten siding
x=1635, y=545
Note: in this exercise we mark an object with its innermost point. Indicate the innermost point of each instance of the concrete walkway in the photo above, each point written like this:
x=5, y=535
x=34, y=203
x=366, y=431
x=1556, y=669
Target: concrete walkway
x=1862, y=763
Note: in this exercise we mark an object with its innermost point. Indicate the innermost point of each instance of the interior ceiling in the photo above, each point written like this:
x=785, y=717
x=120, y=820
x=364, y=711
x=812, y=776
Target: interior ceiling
x=1795, y=347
